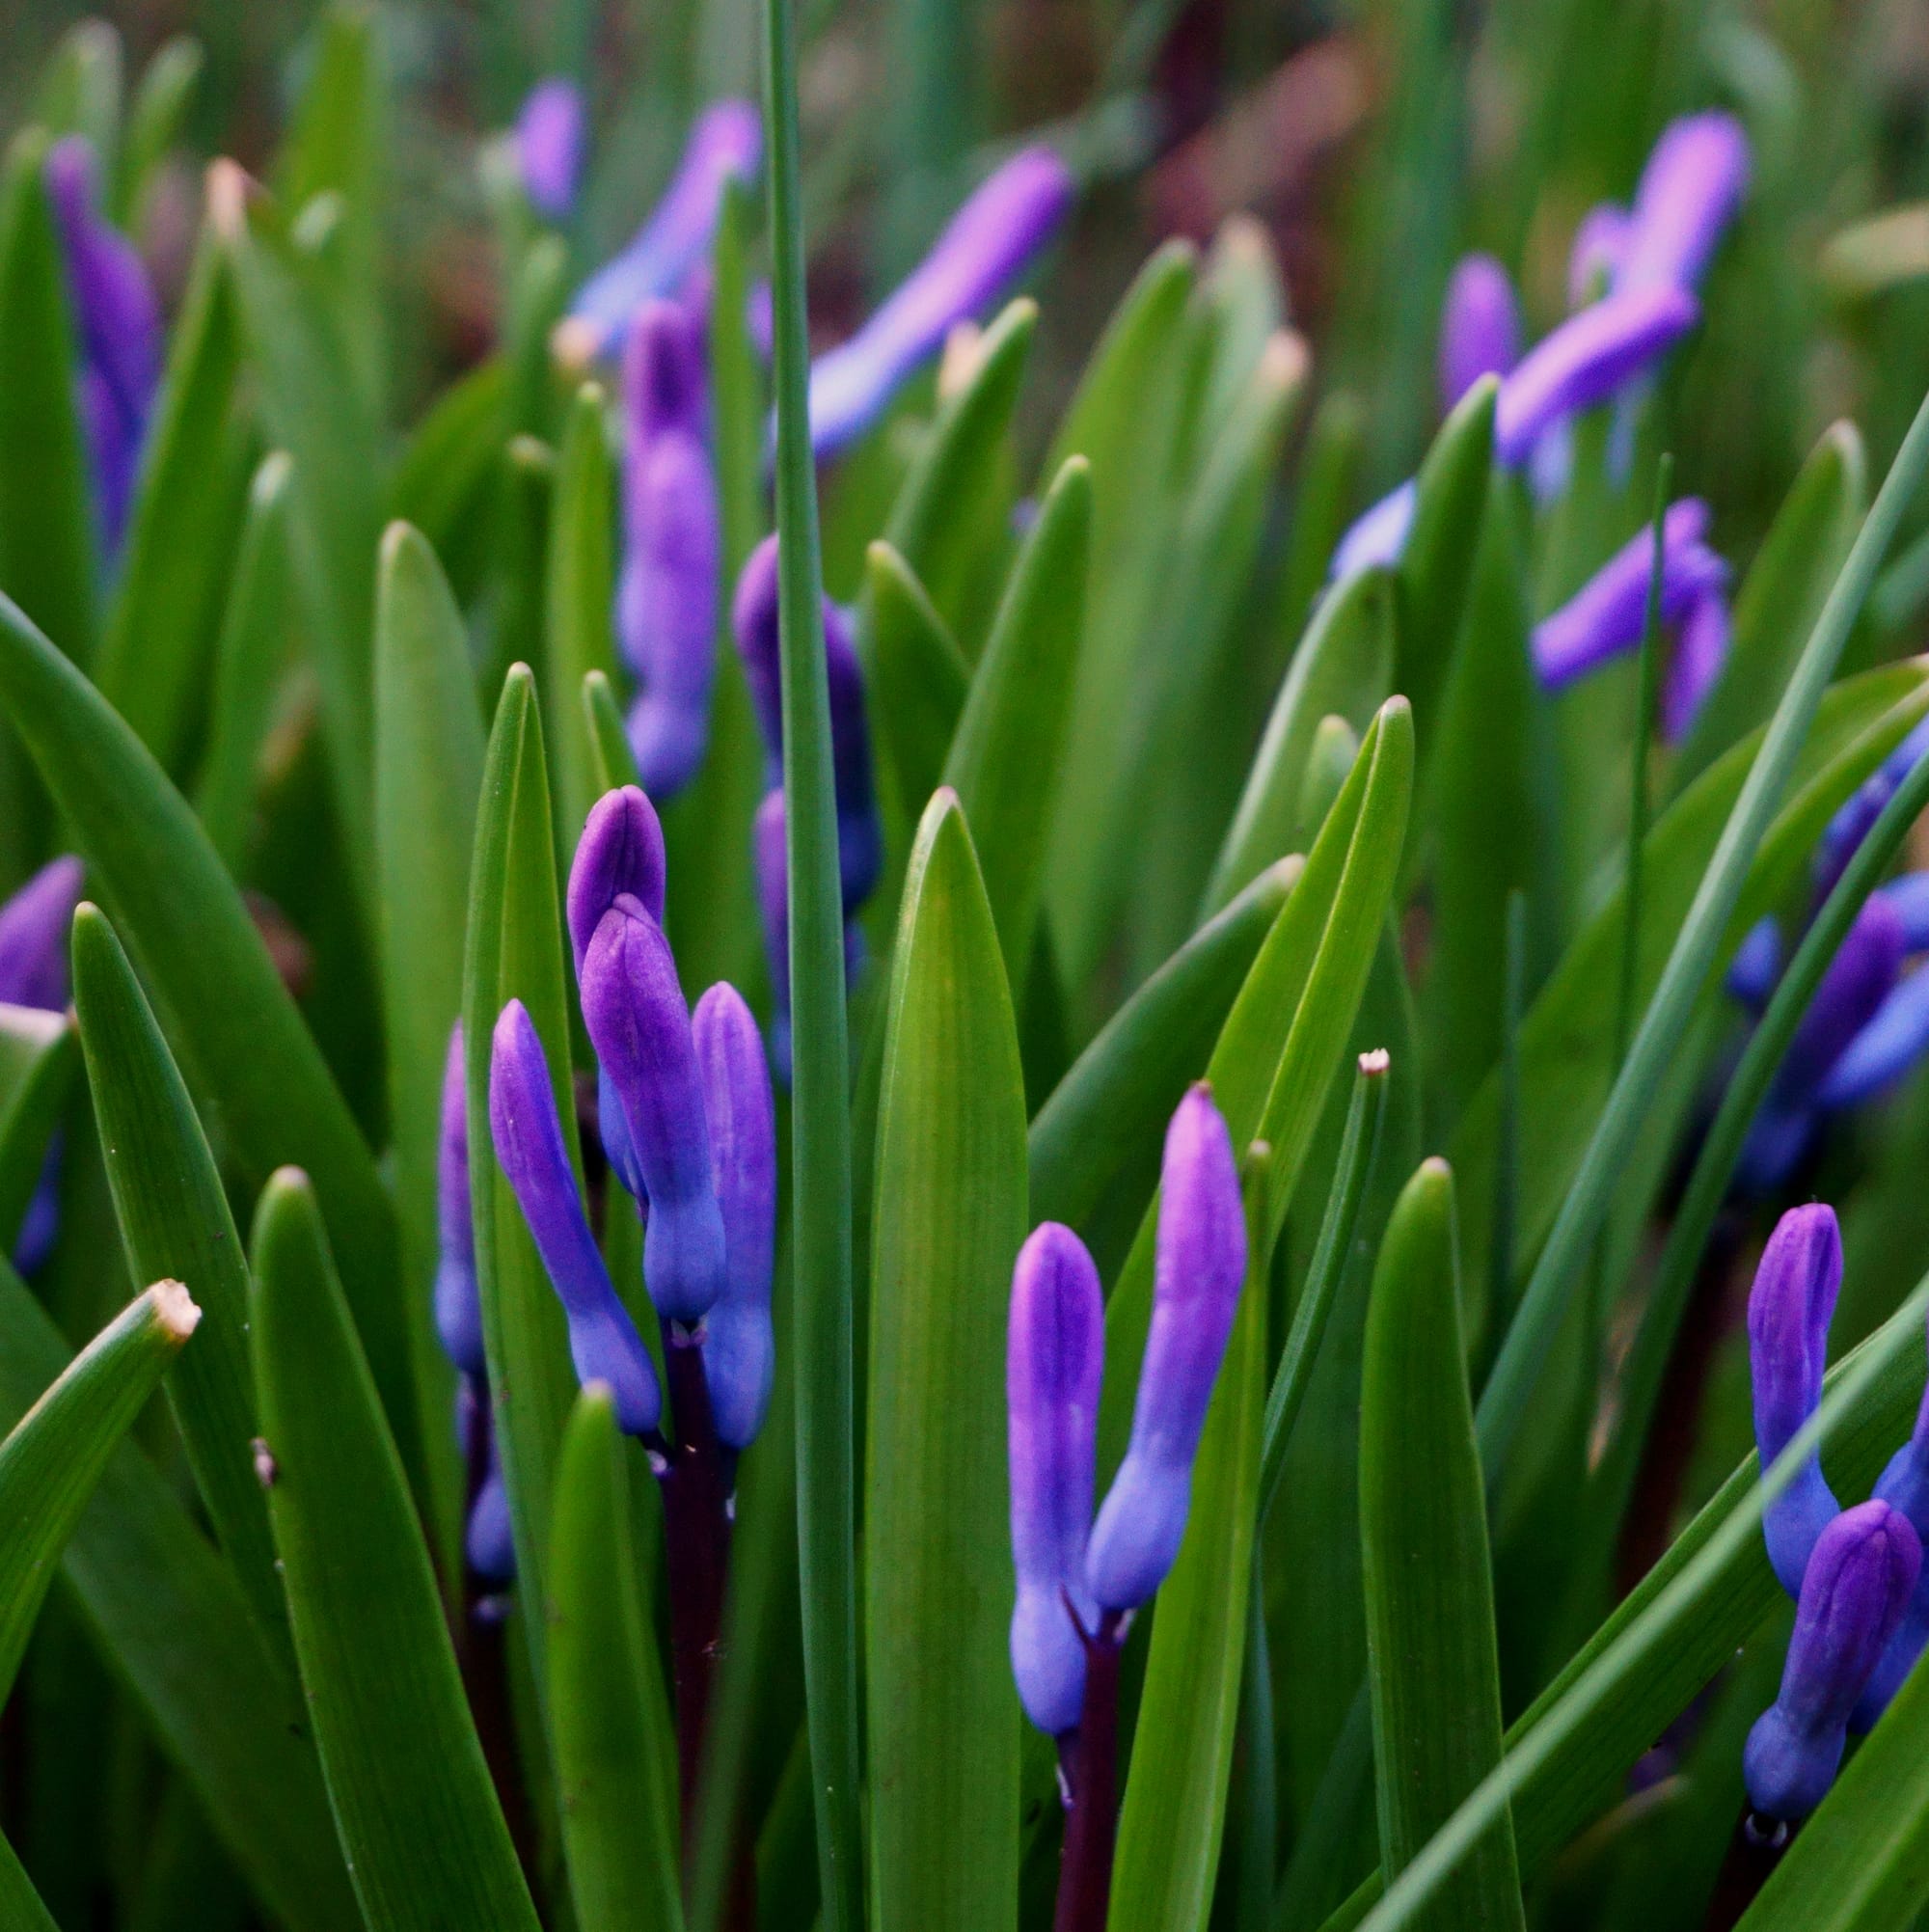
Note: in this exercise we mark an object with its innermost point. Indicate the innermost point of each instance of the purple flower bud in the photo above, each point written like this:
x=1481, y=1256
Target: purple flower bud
x=1907, y=898
x=754, y=618
x=1690, y=191
x=672, y=546
x=1757, y=965
x=1199, y=1268
x=1589, y=358
x=1884, y=1051
x=1700, y=650
x=1866, y=1563
x=488, y=1543
x=622, y=850
x=1789, y=1310
x=1596, y=258
x=1857, y=816
x=1480, y=327
x=989, y=243
x=725, y=142
x=549, y=146
x=1607, y=614
x=458, y=1303
x=603, y=1340
x=117, y=326
x=639, y=1027
x=1904, y=1486
x=33, y=937
x=1054, y=1355
x=1857, y=981
x=739, y=1347
x=1377, y=537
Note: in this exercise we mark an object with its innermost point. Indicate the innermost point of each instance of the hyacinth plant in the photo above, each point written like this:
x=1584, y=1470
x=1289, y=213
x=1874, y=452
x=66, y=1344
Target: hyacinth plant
x=940, y=1112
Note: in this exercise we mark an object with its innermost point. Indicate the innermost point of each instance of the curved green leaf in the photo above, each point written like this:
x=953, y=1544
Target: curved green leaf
x=423, y=1835
x=950, y=1214
x=448, y=471
x=21, y=1907
x=155, y=115
x=38, y=1054
x=581, y=577
x=611, y=1717
x=1433, y=1666
x=917, y=673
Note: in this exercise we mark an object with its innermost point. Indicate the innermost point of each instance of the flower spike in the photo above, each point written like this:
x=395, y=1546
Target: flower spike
x=603, y=1340
x=739, y=1347
x=549, y=146
x=458, y=1303
x=1865, y=1565
x=1480, y=327
x=1199, y=1268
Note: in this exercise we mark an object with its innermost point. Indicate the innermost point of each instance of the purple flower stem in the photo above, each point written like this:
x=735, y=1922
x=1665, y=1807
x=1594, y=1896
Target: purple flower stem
x=1090, y=1760
x=1758, y=1845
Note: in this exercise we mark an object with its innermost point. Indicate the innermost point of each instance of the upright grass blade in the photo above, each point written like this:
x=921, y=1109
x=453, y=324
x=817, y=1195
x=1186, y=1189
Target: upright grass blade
x=1693, y=954
x=46, y=530
x=514, y=952
x=611, y=1715
x=21, y=1907
x=188, y=517
x=165, y=1608
x=613, y=763
x=1119, y=1092
x=232, y=1018
x=251, y=655
x=448, y=473
x=429, y=773
x=423, y=1835
x=52, y=1459
x=39, y=1054
x=1434, y=1666
x=581, y=577
x=156, y=116
x=949, y=1216
x=918, y=674
x=736, y=381
x=821, y=1138
x=175, y=1222
x=1005, y=756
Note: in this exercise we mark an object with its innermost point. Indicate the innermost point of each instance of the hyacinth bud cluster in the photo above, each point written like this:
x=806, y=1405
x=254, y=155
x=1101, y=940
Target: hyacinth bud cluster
x=1861, y=1598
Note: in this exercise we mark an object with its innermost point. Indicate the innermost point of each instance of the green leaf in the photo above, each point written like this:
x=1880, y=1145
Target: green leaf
x=38, y=1054
x=1119, y=1092
x=821, y=1232
x=577, y=635
x=1433, y=1665
x=251, y=657
x=46, y=515
x=1342, y=668
x=1321, y=504
x=21, y=1907
x=1008, y=749
x=232, y=1019
x=1270, y=1072
x=450, y=471
x=736, y=382
x=613, y=763
x=155, y=117
x=52, y=1459
x=186, y=521
x=175, y=1224
x=429, y=772
x=514, y=952
x=1780, y=597
x=611, y=1716
x=80, y=90
x=918, y=678
x=419, y=1825
x=166, y=1612
x=950, y=1217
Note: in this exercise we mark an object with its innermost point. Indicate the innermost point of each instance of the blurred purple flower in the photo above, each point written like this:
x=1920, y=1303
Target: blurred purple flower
x=1852, y=1596
x=1479, y=326
x=117, y=332
x=672, y=545
x=1054, y=1355
x=458, y=1303
x=550, y=133
x=1856, y=818
x=991, y=240
x=1595, y=256
x=1690, y=191
x=1700, y=649
x=1377, y=538
x=34, y=928
x=726, y=141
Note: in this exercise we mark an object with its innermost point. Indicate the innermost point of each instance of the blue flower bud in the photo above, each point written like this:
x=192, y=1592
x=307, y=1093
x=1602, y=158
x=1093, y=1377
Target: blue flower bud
x=739, y=1347
x=1789, y=1309
x=1857, y=817
x=639, y=1027
x=549, y=146
x=672, y=545
x=527, y=1133
x=488, y=1541
x=989, y=243
x=1904, y=1486
x=1479, y=326
x=1690, y=191
x=1054, y=1355
x=1200, y=1267
x=1866, y=1563
x=34, y=927
x=1893, y=1041
x=458, y=1302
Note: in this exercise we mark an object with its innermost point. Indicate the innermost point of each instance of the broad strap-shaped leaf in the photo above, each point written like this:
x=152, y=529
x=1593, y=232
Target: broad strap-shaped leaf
x=21, y=1907
x=448, y=471
x=175, y=1222
x=418, y=1817
x=232, y=1019
x=39, y=1054
x=53, y=1458
x=166, y=1610
x=1009, y=747
x=918, y=678
x=1433, y=1665
x=949, y=1216
x=609, y=1715
x=46, y=530
x=514, y=952
x=186, y=519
